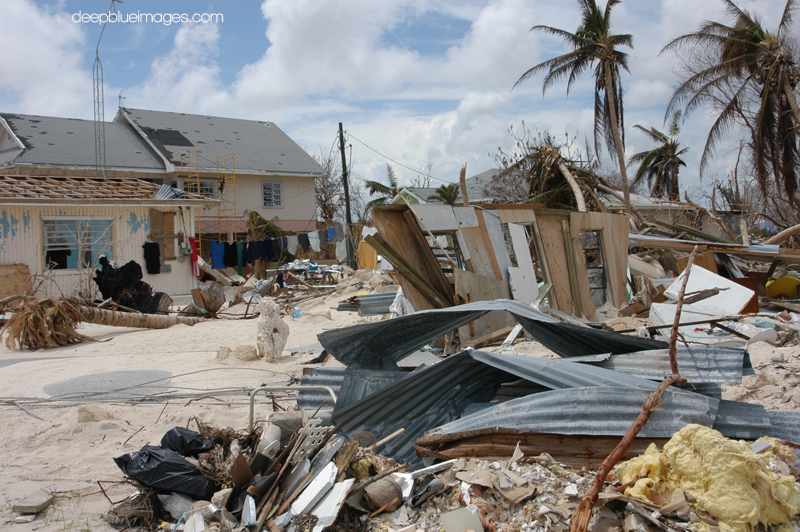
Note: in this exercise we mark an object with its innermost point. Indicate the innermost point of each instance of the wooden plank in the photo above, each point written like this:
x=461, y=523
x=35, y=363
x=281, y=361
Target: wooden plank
x=13, y=279
x=552, y=243
x=479, y=256
x=472, y=287
x=706, y=260
x=578, y=301
x=747, y=252
x=487, y=245
x=434, y=272
x=498, y=241
x=393, y=228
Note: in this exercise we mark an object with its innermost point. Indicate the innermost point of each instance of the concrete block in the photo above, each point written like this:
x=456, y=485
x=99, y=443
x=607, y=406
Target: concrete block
x=33, y=503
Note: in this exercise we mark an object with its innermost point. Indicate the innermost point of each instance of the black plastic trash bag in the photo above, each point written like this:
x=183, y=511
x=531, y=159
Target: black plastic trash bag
x=186, y=442
x=166, y=470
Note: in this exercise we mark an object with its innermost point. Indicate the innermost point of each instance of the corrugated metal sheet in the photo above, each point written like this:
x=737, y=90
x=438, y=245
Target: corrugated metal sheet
x=429, y=397
x=701, y=363
x=368, y=305
x=601, y=410
x=380, y=345
x=21, y=242
x=349, y=385
x=330, y=377
x=785, y=425
x=742, y=420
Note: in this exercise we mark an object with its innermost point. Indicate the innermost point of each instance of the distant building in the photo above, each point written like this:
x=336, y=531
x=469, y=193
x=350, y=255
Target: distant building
x=476, y=191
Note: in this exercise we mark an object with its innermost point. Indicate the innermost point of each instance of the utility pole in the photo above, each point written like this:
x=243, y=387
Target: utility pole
x=346, y=181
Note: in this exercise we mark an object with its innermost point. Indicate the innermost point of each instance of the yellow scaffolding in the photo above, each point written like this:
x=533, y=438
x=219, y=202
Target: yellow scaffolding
x=226, y=217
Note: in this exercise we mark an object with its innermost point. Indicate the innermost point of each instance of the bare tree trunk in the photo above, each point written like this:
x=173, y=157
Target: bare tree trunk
x=783, y=235
x=573, y=184
x=612, y=108
x=462, y=182
x=130, y=319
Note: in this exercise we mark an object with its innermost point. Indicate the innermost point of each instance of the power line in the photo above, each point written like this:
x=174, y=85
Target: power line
x=396, y=162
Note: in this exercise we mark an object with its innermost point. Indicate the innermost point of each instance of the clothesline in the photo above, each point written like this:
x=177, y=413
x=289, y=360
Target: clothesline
x=235, y=254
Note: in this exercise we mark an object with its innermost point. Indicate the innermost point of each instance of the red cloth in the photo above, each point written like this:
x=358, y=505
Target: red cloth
x=195, y=265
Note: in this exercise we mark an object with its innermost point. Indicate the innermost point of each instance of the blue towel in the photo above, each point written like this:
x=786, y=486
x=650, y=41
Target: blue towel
x=331, y=234
x=218, y=255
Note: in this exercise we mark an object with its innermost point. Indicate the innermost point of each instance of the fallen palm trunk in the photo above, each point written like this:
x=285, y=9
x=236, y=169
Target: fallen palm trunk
x=47, y=323
x=130, y=319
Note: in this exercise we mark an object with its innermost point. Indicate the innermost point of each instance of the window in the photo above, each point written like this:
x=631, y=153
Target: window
x=208, y=188
x=272, y=193
x=75, y=244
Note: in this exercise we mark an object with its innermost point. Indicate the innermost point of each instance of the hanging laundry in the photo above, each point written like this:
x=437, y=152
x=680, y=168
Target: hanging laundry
x=304, y=242
x=284, y=244
x=339, y=230
x=152, y=257
x=230, y=255
x=367, y=231
x=239, y=258
x=217, y=255
x=292, y=247
x=254, y=250
x=193, y=256
x=245, y=251
x=331, y=235
x=313, y=241
x=269, y=250
x=341, y=250
x=323, y=238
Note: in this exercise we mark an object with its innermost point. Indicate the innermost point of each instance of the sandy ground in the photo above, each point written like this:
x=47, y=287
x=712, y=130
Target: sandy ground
x=58, y=453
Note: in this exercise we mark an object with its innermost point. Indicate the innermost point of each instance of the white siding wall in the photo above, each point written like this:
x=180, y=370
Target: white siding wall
x=299, y=200
x=21, y=242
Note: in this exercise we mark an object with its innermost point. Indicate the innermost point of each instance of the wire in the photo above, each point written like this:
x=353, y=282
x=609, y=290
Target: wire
x=396, y=162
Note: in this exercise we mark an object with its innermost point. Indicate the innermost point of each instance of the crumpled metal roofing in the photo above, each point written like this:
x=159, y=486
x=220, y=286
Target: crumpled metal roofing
x=438, y=394
x=381, y=344
x=427, y=398
x=599, y=410
x=349, y=385
x=702, y=363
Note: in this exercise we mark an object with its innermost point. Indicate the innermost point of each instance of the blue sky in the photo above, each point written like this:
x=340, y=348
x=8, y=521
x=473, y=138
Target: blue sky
x=418, y=80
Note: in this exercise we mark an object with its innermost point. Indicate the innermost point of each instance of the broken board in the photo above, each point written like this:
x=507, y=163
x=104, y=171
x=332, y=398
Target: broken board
x=471, y=287
x=13, y=279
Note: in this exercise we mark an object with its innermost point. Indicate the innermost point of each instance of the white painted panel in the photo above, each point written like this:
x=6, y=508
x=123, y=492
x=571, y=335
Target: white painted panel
x=21, y=242
x=437, y=217
x=466, y=216
x=498, y=240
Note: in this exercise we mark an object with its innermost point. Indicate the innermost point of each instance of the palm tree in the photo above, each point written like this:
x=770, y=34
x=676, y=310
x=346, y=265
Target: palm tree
x=386, y=192
x=446, y=194
x=594, y=44
x=752, y=77
x=660, y=166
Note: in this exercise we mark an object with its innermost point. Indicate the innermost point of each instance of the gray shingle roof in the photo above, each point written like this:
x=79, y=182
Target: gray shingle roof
x=52, y=141
x=259, y=147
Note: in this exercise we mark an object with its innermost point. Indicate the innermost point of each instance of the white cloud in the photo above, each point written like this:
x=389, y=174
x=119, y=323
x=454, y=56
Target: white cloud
x=41, y=64
x=646, y=93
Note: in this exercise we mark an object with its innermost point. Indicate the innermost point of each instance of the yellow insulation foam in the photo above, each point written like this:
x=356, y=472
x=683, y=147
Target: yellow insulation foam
x=727, y=478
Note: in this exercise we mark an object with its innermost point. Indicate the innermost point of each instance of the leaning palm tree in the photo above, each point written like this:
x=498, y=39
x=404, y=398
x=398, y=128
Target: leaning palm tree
x=446, y=194
x=594, y=44
x=659, y=167
x=751, y=76
x=386, y=192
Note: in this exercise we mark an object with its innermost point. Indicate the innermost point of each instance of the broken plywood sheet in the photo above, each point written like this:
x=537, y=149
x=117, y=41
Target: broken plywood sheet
x=394, y=228
x=642, y=267
x=472, y=287
x=552, y=246
x=480, y=256
x=13, y=279
x=515, y=212
x=705, y=260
